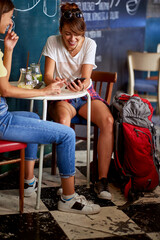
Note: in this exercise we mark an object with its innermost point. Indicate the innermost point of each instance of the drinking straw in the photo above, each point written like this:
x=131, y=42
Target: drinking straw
x=40, y=57
x=27, y=61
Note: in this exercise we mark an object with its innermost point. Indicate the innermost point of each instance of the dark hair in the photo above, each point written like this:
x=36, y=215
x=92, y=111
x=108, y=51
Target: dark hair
x=5, y=7
x=77, y=25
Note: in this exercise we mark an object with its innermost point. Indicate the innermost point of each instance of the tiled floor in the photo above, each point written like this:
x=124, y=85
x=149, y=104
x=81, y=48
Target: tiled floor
x=117, y=219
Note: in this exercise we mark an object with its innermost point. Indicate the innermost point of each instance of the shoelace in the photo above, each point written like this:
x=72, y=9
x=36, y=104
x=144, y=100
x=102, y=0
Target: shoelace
x=82, y=199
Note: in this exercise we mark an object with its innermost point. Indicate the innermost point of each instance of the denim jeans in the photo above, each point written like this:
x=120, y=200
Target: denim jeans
x=27, y=127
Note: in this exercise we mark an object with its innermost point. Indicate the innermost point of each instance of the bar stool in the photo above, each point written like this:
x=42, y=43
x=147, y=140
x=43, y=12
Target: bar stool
x=8, y=146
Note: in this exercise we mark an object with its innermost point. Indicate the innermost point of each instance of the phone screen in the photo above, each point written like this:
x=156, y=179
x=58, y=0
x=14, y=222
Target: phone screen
x=76, y=80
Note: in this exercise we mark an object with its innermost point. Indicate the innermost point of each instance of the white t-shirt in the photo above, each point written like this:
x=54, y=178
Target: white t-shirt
x=67, y=66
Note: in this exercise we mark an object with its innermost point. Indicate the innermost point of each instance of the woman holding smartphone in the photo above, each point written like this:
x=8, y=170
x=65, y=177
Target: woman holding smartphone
x=27, y=127
x=71, y=55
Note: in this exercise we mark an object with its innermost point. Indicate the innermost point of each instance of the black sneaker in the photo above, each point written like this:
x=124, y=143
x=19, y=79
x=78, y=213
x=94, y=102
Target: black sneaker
x=30, y=188
x=101, y=188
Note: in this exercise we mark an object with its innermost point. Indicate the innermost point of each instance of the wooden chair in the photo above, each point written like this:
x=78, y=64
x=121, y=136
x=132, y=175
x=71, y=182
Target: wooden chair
x=8, y=146
x=146, y=88
x=103, y=84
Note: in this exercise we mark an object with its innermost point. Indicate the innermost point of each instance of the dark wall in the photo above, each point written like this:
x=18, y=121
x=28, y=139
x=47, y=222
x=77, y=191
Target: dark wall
x=152, y=34
x=34, y=21
x=115, y=25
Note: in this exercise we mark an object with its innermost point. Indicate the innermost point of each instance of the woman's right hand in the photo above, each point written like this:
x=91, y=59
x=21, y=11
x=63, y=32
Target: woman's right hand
x=53, y=88
x=11, y=39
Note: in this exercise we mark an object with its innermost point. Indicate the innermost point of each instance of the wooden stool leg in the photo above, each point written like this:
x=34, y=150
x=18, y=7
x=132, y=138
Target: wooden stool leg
x=53, y=160
x=21, y=187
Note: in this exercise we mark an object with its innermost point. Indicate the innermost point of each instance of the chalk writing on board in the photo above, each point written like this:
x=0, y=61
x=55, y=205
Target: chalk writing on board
x=132, y=6
x=100, y=14
x=30, y=5
x=104, y=11
x=33, y=3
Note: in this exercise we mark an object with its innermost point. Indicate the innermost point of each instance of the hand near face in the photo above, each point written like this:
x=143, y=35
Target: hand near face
x=11, y=39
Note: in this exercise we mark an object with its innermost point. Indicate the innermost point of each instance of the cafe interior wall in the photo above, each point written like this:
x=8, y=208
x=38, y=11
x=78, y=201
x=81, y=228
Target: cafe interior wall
x=152, y=30
x=35, y=23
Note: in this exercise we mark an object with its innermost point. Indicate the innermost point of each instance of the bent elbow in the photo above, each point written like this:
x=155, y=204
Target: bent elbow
x=4, y=93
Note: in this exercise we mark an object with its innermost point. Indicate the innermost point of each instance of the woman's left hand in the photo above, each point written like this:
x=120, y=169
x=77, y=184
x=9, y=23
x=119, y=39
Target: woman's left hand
x=11, y=39
x=75, y=87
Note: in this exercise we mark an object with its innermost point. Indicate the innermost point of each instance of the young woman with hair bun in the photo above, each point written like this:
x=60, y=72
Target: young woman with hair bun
x=71, y=55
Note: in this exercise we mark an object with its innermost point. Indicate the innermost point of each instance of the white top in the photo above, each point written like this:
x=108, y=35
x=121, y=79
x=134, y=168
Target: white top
x=67, y=66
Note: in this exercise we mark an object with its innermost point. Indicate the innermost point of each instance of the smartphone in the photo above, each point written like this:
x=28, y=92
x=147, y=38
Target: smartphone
x=76, y=80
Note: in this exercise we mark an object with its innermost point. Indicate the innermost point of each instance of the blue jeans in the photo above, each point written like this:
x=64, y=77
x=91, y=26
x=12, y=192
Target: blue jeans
x=27, y=127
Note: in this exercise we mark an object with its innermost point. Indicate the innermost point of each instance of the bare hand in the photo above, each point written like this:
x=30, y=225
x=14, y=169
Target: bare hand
x=53, y=88
x=11, y=39
x=61, y=81
x=74, y=87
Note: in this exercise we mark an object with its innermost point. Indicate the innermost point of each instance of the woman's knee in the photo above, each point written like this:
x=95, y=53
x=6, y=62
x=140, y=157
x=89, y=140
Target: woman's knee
x=34, y=115
x=107, y=123
x=65, y=120
x=60, y=117
x=71, y=134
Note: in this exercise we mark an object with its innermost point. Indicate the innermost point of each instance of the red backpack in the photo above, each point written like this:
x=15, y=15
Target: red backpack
x=134, y=152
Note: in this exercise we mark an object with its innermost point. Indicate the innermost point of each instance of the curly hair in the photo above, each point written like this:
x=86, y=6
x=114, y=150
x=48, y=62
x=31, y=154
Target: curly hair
x=77, y=25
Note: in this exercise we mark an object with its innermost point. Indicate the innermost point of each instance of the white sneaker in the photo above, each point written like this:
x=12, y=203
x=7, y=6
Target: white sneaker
x=78, y=204
x=30, y=188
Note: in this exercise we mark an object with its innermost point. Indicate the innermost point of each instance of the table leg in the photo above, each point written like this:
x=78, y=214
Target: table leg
x=88, y=137
x=40, y=176
x=41, y=160
x=31, y=105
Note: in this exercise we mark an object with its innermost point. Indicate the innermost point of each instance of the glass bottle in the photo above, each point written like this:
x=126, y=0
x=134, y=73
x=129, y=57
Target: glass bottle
x=36, y=72
x=25, y=79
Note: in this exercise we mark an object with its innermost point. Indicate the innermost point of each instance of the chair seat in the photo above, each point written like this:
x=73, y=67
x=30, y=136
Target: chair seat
x=143, y=85
x=6, y=146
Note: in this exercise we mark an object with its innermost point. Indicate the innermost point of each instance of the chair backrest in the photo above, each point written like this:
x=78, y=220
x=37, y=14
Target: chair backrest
x=141, y=61
x=158, y=48
x=104, y=78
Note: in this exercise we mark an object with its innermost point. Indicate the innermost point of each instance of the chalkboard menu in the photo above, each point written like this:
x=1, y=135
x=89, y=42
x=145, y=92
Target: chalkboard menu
x=116, y=25
x=100, y=14
x=34, y=21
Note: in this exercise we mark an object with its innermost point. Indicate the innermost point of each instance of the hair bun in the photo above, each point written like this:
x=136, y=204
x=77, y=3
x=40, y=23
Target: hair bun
x=69, y=7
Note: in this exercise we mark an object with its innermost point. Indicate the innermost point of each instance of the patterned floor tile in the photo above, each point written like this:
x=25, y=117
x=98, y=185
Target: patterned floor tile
x=30, y=226
x=118, y=219
x=146, y=216
x=9, y=202
x=154, y=236
x=109, y=222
